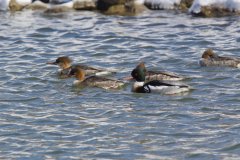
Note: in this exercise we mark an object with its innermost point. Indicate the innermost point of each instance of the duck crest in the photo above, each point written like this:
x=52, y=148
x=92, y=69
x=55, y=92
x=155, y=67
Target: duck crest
x=141, y=65
x=209, y=54
x=78, y=73
x=64, y=62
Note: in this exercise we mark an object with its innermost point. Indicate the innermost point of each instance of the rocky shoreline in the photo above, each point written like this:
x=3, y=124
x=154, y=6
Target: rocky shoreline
x=127, y=7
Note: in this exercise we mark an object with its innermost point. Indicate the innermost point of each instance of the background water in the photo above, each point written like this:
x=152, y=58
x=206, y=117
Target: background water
x=44, y=117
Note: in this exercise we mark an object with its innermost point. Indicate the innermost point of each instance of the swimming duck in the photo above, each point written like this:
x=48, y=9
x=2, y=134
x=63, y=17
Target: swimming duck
x=65, y=64
x=94, y=81
x=159, y=75
x=209, y=58
x=155, y=86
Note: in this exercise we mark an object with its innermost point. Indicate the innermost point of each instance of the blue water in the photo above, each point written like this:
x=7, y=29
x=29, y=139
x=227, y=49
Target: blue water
x=44, y=117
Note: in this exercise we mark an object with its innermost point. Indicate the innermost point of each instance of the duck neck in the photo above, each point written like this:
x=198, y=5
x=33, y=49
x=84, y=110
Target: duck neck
x=80, y=76
x=64, y=65
x=77, y=82
x=137, y=85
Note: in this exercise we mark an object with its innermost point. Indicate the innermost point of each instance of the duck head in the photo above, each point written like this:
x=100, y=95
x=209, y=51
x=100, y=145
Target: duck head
x=139, y=72
x=78, y=73
x=63, y=62
x=209, y=54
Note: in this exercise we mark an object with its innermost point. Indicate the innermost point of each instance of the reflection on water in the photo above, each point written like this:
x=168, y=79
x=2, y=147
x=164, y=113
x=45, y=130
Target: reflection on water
x=44, y=117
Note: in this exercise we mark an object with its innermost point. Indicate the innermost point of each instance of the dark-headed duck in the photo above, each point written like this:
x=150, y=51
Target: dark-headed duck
x=155, y=86
x=160, y=75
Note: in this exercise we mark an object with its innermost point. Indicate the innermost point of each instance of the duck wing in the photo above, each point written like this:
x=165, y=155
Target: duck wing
x=85, y=67
x=88, y=70
x=94, y=71
x=165, y=88
x=103, y=82
x=222, y=58
x=162, y=75
x=221, y=61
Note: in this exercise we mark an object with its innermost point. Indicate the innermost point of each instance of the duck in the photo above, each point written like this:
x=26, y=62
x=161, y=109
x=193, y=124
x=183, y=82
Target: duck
x=209, y=58
x=155, y=86
x=65, y=65
x=94, y=81
x=159, y=75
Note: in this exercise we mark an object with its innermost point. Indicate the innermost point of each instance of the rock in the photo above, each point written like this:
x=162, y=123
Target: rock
x=76, y=4
x=185, y=4
x=166, y=5
x=15, y=6
x=37, y=5
x=85, y=5
x=210, y=11
x=124, y=10
x=219, y=8
x=127, y=9
x=104, y=5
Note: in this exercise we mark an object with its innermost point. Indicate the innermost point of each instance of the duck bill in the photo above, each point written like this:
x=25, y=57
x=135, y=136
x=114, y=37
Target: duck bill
x=52, y=63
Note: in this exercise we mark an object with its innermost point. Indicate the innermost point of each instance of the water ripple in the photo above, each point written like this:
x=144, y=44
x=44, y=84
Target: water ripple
x=43, y=117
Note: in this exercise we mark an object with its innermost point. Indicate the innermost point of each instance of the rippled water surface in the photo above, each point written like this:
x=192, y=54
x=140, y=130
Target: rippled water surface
x=45, y=117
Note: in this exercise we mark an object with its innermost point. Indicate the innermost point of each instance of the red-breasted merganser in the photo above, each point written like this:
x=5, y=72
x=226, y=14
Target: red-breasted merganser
x=94, y=81
x=209, y=58
x=65, y=64
x=159, y=75
x=155, y=86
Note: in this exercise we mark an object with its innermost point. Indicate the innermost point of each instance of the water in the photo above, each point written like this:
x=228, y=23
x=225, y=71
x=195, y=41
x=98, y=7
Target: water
x=44, y=117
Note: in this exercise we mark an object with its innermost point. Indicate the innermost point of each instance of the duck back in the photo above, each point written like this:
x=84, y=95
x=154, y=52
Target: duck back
x=221, y=61
x=103, y=82
x=160, y=75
